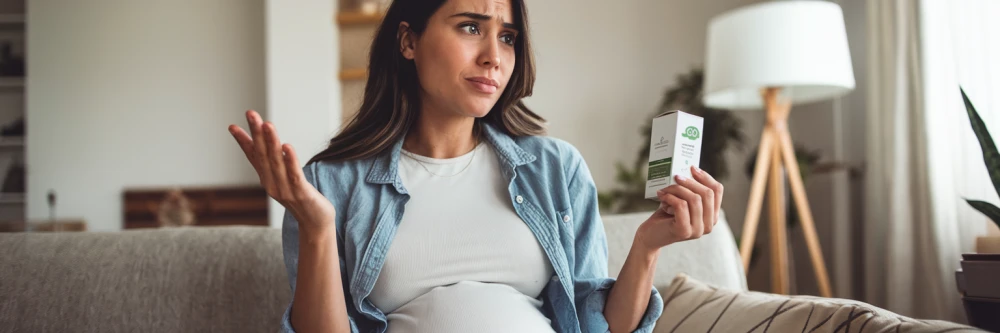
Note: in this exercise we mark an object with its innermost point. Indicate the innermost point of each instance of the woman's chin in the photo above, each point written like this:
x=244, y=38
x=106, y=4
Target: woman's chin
x=478, y=111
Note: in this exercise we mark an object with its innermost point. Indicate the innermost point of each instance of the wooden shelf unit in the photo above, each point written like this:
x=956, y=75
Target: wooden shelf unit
x=348, y=18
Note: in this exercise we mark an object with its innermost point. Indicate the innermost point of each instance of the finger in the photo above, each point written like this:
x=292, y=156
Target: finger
x=296, y=179
x=260, y=149
x=694, y=207
x=713, y=184
x=245, y=142
x=277, y=160
x=682, y=227
x=707, y=199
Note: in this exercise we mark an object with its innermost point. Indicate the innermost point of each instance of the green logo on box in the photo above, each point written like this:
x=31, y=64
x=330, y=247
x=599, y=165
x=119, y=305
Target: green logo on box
x=691, y=132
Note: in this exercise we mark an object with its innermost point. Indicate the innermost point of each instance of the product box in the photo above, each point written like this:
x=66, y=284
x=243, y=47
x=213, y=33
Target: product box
x=675, y=145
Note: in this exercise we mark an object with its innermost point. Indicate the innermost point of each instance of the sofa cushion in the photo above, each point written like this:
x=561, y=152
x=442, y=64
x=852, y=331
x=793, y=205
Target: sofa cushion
x=198, y=279
x=695, y=306
x=713, y=258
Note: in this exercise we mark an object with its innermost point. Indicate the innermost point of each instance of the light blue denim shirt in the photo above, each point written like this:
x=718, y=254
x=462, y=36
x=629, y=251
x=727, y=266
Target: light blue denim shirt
x=551, y=189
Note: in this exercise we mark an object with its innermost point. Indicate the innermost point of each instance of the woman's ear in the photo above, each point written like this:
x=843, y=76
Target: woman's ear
x=407, y=41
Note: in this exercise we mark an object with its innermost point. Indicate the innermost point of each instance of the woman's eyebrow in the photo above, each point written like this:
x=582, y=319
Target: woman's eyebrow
x=483, y=17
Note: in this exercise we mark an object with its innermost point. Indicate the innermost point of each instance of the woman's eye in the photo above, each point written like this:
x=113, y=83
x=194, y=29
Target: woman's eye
x=509, y=39
x=471, y=28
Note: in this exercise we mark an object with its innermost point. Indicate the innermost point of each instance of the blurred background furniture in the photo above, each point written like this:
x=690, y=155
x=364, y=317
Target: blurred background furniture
x=211, y=206
x=60, y=225
x=976, y=282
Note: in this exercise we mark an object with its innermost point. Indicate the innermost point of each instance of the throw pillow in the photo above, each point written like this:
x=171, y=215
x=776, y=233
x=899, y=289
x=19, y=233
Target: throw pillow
x=693, y=306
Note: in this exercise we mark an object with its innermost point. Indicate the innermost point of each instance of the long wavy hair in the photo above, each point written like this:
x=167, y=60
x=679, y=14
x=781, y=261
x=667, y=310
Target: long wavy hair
x=392, y=92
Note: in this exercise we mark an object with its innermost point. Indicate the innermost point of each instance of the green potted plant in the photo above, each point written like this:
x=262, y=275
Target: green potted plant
x=992, y=159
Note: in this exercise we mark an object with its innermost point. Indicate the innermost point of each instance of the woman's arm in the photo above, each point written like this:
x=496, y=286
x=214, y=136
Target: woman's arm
x=318, y=304
x=309, y=239
x=688, y=210
x=630, y=294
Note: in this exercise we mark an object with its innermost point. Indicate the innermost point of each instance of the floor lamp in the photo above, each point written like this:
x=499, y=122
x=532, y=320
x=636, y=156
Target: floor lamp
x=772, y=55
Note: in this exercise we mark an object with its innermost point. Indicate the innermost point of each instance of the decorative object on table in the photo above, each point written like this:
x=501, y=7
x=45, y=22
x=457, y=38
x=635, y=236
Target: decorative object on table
x=211, y=206
x=992, y=159
x=772, y=55
x=51, y=197
x=175, y=210
x=722, y=131
x=15, y=128
x=10, y=64
x=13, y=182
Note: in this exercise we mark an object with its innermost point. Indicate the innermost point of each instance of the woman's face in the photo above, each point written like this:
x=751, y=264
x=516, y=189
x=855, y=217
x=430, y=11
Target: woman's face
x=465, y=56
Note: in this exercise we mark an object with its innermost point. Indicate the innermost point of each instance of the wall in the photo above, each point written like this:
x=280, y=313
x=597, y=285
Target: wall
x=137, y=93
x=302, y=91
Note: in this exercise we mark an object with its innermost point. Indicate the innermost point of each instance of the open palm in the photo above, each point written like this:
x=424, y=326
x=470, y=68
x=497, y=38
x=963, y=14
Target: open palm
x=277, y=166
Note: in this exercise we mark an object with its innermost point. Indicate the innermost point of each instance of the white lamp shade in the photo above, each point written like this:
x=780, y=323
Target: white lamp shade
x=799, y=46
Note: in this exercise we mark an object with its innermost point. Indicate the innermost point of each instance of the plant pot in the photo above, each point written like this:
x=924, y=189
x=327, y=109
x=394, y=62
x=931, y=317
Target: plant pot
x=988, y=244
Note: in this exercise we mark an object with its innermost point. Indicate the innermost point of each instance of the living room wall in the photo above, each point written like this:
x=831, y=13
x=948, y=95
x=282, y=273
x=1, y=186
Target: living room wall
x=137, y=93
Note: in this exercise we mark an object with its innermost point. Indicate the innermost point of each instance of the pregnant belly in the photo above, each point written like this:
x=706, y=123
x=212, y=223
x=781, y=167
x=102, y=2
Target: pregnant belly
x=469, y=306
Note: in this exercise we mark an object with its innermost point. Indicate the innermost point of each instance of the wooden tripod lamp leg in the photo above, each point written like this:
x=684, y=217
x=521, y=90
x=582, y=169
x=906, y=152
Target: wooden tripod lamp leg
x=805, y=214
x=756, y=196
x=779, y=236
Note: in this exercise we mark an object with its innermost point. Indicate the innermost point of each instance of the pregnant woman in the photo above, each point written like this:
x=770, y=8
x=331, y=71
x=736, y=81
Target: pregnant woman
x=442, y=207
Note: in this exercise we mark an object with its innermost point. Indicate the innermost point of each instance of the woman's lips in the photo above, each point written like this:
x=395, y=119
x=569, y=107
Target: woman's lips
x=482, y=87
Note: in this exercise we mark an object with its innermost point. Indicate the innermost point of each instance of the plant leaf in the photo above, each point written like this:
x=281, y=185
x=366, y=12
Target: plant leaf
x=987, y=209
x=990, y=154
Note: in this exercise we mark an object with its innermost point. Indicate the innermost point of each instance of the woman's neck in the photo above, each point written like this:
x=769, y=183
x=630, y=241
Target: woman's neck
x=438, y=136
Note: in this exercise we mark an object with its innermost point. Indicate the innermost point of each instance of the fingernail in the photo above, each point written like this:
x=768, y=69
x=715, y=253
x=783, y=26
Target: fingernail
x=698, y=170
x=681, y=178
x=662, y=191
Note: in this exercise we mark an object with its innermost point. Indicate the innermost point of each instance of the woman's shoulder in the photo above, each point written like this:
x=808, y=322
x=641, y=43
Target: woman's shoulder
x=550, y=148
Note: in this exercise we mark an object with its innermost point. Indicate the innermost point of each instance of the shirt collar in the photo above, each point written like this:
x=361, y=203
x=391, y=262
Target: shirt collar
x=385, y=167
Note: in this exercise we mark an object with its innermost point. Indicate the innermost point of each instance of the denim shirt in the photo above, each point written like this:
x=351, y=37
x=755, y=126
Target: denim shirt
x=551, y=189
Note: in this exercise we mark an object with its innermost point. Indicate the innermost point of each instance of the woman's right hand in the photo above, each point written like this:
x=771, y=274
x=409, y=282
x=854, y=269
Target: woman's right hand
x=278, y=168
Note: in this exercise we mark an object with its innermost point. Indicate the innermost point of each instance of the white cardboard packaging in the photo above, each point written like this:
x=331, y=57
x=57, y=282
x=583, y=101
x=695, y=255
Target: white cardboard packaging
x=675, y=145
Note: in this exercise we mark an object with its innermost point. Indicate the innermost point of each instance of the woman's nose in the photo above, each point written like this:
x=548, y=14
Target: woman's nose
x=490, y=56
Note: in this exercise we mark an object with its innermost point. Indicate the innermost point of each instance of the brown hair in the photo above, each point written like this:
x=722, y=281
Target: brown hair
x=392, y=95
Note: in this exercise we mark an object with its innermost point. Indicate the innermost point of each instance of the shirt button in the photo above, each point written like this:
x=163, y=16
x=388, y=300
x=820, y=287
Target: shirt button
x=565, y=218
x=555, y=278
x=519, y=199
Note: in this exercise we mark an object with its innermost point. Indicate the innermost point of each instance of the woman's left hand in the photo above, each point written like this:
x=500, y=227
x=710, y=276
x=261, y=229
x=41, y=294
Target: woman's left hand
x=688, y=210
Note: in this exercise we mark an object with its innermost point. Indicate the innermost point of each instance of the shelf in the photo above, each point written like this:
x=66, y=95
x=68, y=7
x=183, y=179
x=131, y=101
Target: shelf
x=358, y=18
x=11, y=142
x=11, y=82
x=11, y=198
x=353, y=74
x=12, y=19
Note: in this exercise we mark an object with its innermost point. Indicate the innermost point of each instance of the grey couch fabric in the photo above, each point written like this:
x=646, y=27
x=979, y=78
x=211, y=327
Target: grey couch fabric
x=203, y=279
x=222, y=279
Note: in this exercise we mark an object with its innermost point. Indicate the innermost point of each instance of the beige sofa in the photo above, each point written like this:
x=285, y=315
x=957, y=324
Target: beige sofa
x=223, y=279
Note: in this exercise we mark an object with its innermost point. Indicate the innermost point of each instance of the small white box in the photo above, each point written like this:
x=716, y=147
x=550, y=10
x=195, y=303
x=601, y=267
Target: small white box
x=675, y=145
